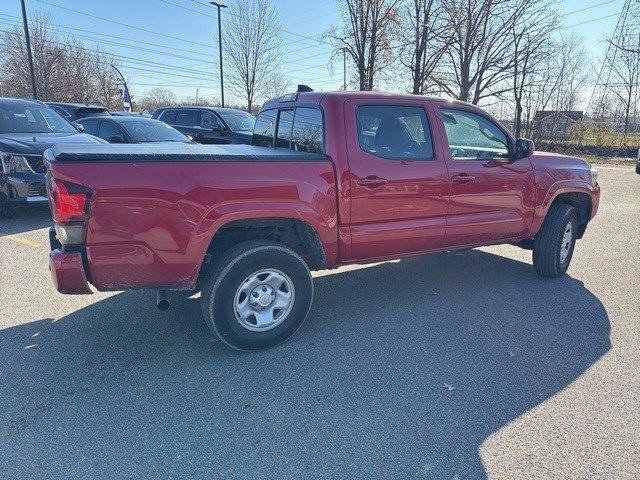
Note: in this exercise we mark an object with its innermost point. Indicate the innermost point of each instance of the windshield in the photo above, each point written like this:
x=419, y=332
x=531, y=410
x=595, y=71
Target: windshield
x=147, y=130
x=238, y=120
x=30, y=118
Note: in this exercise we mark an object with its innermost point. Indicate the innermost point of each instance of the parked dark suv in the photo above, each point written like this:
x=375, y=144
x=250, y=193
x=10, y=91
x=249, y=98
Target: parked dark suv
x=74, y=111
x=209, y=124
x=27, y=129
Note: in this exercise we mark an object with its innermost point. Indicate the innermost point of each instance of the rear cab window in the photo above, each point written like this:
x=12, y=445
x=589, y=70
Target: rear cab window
x=299, y=128
x=265, y=128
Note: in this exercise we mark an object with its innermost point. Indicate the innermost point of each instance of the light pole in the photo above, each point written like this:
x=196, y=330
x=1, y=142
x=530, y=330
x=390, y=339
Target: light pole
x=344, y=68
x=219, y=6
x=29, y=57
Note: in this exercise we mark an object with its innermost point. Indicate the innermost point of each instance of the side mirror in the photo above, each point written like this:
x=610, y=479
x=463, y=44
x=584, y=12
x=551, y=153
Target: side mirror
x=116, y=139
x=79, y=127
x=218, y=129
x=524, y=148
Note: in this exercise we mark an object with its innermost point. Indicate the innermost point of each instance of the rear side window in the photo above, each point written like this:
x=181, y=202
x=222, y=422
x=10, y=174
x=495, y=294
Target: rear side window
x=394, y=132
x=308, y=130
x=285, y=126
x=168, y=116
x=187, y=118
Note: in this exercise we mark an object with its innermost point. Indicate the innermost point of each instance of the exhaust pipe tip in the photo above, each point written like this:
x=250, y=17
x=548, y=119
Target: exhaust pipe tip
x=161, y=301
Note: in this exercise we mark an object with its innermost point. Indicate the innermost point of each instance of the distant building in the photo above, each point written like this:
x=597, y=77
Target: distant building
x=555, y=123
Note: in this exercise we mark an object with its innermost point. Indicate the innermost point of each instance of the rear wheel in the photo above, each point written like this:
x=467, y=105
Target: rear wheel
x=257, y=295
x=554, y=244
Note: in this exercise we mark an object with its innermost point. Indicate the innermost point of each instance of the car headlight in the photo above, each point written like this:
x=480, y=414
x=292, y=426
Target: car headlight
x=594, y=175
x=15, y=164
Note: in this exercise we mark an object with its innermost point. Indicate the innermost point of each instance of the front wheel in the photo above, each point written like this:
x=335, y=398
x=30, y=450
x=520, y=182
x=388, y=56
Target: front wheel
x=554, y=244
x=257, y=295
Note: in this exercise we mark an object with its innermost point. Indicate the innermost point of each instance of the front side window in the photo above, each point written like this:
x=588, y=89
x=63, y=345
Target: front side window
x=285, y=125
x=208, y=120
x=394, y=132
x=473, y=137
x=31, y=118
x=308, y=130
x=265, y=128
x=187, y=118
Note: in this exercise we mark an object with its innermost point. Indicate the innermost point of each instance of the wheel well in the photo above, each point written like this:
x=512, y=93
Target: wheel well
x=582, y=203
x=298, y=235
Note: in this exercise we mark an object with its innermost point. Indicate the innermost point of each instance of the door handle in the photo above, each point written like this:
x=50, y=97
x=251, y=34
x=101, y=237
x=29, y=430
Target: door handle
x=372, y=181
x=463, y=178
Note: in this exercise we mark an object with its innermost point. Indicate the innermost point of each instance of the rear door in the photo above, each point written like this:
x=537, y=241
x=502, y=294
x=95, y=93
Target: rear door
x=398, y=180
x=492, y=196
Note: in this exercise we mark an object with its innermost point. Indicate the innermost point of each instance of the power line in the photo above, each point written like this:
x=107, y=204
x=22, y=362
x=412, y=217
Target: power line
x=123, y=24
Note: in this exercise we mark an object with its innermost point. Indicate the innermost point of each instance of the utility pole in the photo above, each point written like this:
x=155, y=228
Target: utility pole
x=29, y=57
x=219, y=6
x=344, y=68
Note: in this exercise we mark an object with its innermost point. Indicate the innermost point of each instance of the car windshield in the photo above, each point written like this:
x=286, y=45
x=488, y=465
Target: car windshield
x=238, y=120
x=30, y=118
x=148, y=130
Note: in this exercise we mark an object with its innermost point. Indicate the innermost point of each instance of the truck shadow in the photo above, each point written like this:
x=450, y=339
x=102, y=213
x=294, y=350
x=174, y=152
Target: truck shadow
x=119, y=388
x=25, y=220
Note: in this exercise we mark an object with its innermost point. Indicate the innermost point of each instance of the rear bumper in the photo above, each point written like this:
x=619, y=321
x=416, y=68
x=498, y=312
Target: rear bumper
x=68, y=273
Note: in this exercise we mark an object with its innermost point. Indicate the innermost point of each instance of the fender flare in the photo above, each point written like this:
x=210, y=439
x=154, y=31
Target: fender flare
x=557, y=189
x=324, y=227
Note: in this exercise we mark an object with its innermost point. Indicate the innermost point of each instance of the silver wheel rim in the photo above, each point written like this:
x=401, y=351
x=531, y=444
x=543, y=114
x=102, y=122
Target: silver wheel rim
x=264, y=300
x=567, y=240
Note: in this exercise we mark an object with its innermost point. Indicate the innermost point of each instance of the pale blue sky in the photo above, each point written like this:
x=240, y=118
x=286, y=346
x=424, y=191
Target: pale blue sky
x=174, y=42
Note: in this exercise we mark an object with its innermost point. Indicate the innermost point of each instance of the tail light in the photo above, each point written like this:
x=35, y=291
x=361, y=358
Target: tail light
x=69, y=206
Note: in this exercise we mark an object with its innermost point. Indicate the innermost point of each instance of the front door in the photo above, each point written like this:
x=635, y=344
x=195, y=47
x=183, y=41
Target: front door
x=492, y=195
x=398, y=180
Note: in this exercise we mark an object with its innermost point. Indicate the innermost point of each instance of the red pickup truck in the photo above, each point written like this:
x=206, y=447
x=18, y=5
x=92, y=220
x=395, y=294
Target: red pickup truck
x=331, y=179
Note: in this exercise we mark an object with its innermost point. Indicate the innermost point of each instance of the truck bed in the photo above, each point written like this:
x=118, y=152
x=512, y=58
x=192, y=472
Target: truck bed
x=155, y=208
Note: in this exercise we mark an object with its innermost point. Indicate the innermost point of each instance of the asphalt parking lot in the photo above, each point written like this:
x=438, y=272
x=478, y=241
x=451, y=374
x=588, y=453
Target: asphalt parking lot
x=461, y=365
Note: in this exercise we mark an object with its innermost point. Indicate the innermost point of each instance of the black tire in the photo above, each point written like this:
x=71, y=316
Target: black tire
x=229, y=272
x=548, y=241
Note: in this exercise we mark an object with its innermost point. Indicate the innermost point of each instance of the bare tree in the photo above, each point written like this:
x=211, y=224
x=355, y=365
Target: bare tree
x=252, y=46
x=530, y=32
x=626, y=78
x=65, y=70
x=366, y=36
x=480, y=57
x=426, y=38
x=156, y=98
x=558, y=79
